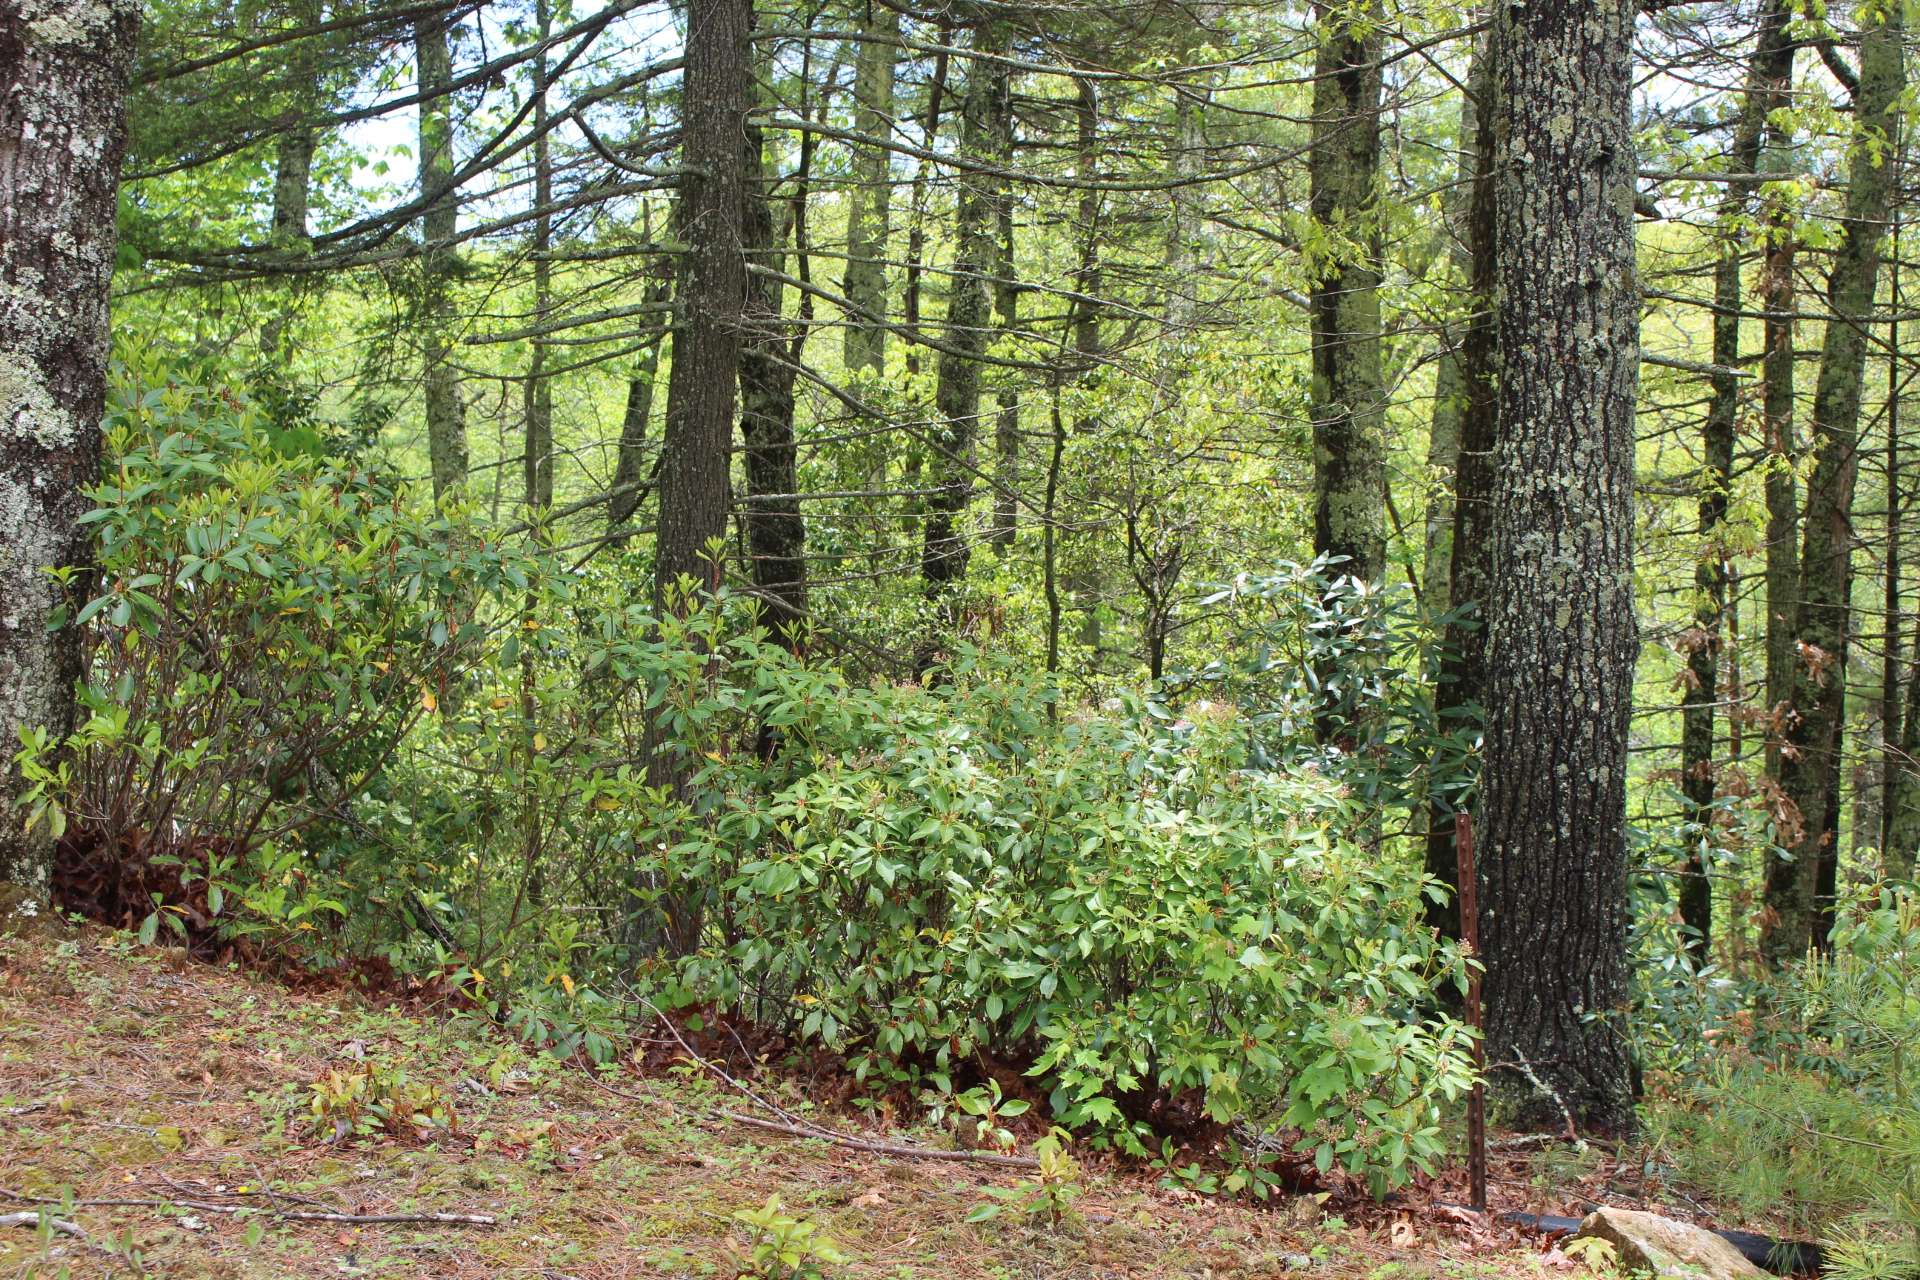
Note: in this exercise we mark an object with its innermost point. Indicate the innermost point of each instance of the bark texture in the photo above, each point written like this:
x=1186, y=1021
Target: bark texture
x=776, y=534
x=1343, y=176
x=439, y=265
x=63, y=79
x=1810, y=764
x=1561, y=633
x=712, y=292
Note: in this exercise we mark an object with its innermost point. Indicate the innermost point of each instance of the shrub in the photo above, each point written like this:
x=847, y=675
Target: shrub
x=1121, y=901
x=268, y=629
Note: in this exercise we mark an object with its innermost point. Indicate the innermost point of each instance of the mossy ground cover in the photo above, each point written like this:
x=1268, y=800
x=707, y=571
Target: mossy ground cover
x=136, y=1074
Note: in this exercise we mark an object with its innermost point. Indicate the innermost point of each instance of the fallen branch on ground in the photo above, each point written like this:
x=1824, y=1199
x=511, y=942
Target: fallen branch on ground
x=200, y=1206
x=883, y=1148
x=33, y=1220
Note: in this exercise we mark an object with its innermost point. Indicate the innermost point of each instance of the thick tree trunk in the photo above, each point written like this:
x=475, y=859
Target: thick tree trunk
x=1460, y=685
x=944, y=550
x=870, y=201
x=713, y=286
x=1348, y=413
x=445, y=410
x=1561, y=631
x=1769, y=77
x=63, y=80
x=1809, y=769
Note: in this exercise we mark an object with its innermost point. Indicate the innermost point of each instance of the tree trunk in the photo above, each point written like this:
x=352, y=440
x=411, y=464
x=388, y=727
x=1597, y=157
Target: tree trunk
x=628, y=483
x=1561, y=632
x=944, y=551
x=1006, y=430
x=292, y=181
x=537, y=465
x=1769, y=77
x=1810, y=764
x=63, y=80
x=1450, y=392
x=775, y=533
x=1460, y=684
x=706, y=351
x=1776, y=296
x=446, y=413
x=1343, y=174
x=870, y=199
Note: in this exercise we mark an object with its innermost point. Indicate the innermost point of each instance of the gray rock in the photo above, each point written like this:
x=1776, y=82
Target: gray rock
x=1668, y=1248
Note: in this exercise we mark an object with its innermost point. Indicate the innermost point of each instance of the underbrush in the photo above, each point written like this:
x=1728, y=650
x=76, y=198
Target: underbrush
x=321, y=723
x=1805, y=1108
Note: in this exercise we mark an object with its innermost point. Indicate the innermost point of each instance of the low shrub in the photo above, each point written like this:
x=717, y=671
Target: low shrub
x=1120, y=901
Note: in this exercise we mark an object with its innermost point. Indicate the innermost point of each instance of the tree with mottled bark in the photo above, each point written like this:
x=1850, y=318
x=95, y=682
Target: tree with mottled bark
x=1561, y=632
x=63, y=81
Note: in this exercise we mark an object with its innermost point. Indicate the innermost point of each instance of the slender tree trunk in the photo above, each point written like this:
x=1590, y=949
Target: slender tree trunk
x=292, y=181
x=706, y=351
x=1085, y=578
x=944, y=551
x=1450, y=393
x=870, y=200
x=1006, y=431
x=695, y=449
x=1343, y=174
x=1460, y=684
x=1769, y=77
x=1892, y=724
x=1822, y=622
x=1782, y=493
x=538, y=462
x=1561, y=630
x=439, y=264
x=1903, y=822
x=635, y=422
x=63, y=80
x=775, y=532
x=917, y=222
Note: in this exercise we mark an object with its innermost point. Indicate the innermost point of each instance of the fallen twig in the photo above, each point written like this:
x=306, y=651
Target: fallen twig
x=883, y=1148
x=201, y=1206
x=34, y=1220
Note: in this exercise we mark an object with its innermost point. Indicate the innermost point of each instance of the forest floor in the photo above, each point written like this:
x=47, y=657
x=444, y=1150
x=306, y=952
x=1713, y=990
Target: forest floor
x=184, y=1091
